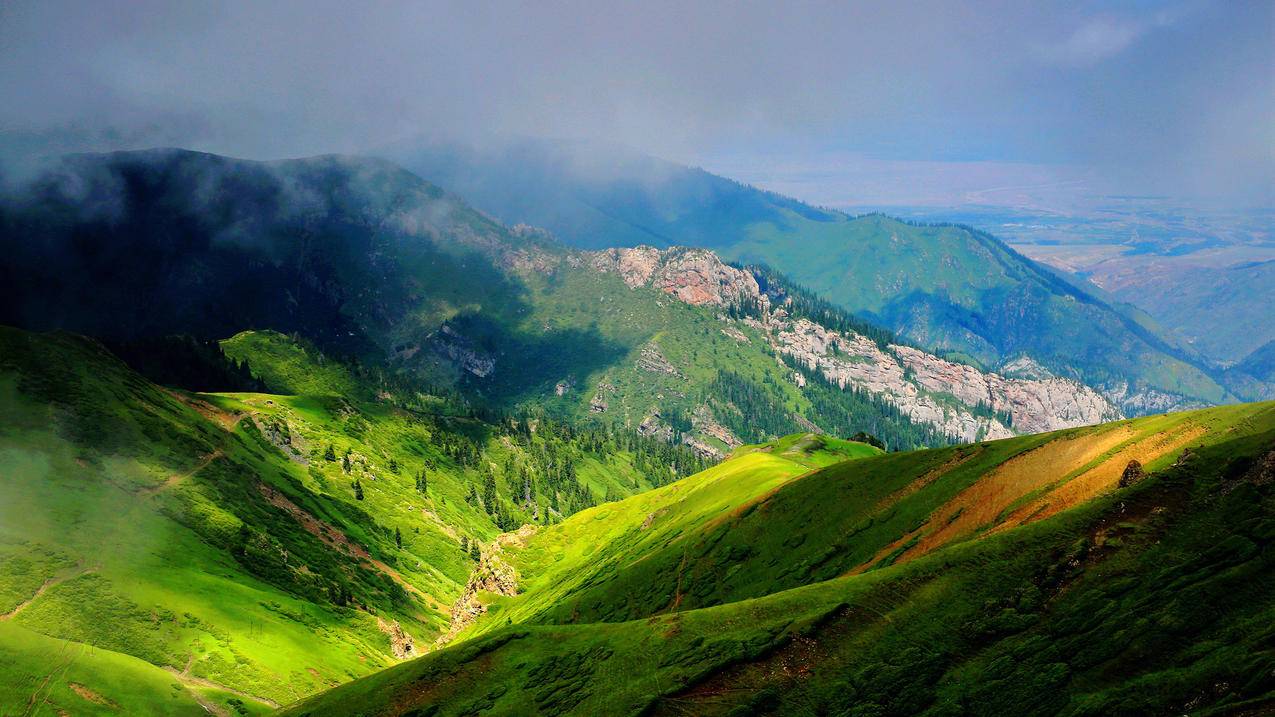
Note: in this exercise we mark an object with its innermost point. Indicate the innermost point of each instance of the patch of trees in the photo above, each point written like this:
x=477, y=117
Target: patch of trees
x=187, y=363
x=756, y=411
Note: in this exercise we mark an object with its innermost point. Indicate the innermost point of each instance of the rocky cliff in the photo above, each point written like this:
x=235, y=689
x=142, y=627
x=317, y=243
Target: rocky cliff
x=959, y=400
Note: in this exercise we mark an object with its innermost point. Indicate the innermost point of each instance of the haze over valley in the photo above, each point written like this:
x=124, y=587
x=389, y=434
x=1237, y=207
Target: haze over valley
x=425, y=359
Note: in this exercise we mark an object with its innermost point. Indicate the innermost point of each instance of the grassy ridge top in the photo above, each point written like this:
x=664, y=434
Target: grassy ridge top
x=162, y=549
x=1152, y=597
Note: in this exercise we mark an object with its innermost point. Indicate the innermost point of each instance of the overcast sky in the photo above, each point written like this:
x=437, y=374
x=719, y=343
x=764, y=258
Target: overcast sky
x=1172, y=97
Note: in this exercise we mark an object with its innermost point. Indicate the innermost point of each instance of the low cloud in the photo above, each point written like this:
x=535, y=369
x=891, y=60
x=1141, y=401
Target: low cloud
x=1146, y=92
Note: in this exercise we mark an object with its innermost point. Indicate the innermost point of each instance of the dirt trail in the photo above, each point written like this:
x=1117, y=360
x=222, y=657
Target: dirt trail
x=51, y=582
x=338, y=540
x=71, y=651
x=190, y=680
x=225, y=419
x=177, y=478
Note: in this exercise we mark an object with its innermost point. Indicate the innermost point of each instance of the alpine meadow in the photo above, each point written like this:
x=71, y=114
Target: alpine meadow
x=834, y=359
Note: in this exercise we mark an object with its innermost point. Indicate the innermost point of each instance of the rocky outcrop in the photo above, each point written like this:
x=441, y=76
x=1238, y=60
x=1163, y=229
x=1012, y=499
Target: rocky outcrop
x=459, y=349
x=704, y=423
x=650, y=359
x=1138, y=401
x=492, y=575
x=401, y=643
x=652, y=426
x=635, y=266
x=1034, y=405
x=694, y=276
x=1132, y=474
x=960, y=401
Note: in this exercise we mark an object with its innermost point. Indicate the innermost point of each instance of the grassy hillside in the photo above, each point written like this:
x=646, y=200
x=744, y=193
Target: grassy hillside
x=373, y=265
x=1037, y=575
x=947, y=288
x=159, y=547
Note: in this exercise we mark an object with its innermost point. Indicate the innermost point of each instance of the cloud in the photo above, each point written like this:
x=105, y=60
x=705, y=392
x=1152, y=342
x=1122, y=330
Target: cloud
x=1094, y=41
x=1135, y=90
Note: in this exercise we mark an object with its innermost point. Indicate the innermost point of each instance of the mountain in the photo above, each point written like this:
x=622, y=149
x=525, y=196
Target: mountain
x=950, y=289
x=1117, y=569
x=1222, y=311
x=166, y=552
x=1204, y=272
x=370, y=263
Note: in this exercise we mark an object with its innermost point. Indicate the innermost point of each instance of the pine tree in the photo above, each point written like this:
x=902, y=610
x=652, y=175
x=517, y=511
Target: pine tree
x=489, y=492
x=398, y=538
x=474, y=552
x=358, y=489
x=330, y=454
x=464, y=544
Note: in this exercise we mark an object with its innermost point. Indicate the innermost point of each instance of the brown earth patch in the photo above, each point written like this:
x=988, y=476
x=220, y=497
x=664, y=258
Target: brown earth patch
x=225, y=419
x=90, y=695
x=177, y=478
x=981, y=503
x=1102, y=477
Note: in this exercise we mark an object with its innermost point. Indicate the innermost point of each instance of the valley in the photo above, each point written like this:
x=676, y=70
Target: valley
x=343, y=440
x=508, y=359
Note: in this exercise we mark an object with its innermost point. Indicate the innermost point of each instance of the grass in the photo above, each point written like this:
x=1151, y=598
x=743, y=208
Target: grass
x=207, y=534
x=1152, y=599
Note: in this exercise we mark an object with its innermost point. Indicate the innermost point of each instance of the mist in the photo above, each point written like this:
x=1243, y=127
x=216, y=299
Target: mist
x=1148, y=97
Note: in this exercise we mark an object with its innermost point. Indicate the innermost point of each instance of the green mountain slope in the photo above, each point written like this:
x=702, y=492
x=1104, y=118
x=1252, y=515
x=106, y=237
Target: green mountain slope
x=373, y=264
x=159, y=547
x=1039, y=575
x=947, y=288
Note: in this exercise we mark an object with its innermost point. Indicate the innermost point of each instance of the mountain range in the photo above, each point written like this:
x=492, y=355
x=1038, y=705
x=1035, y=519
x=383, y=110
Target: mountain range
x=320, y=436
x=949, y=288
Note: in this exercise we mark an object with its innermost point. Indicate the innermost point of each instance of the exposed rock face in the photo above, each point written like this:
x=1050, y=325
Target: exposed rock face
x=458, y=348
x=401, y=643
x=653, y=426
x=704, y=423
x=694, y=276
x=491, y=575
x=1035, y=405
x=953, y=398
x=1132, y=474
x=650, y=359
x=1146, y=400
x=635, y=266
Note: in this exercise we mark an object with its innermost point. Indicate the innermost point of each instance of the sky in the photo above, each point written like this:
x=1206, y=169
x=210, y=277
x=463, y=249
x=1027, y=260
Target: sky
x=838, y=103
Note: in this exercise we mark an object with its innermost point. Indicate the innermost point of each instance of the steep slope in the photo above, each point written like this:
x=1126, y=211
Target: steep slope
x=830, y=353
x=161, y=550
x=947, y=288
x=368, y=261
x=1135, y=590
x=1255, y=375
